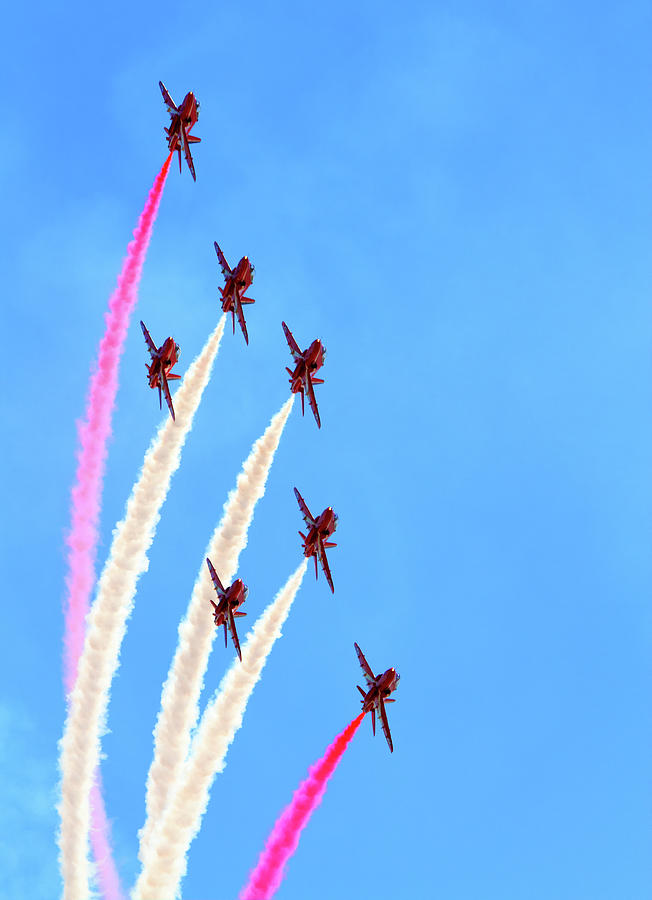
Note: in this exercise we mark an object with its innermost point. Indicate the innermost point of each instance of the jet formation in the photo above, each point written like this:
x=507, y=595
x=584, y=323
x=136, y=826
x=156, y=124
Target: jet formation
x=302, y=380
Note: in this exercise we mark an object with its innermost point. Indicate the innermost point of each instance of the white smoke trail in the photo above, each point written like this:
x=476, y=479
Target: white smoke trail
x=165, y=863
x=180, y=699
x=106, y=623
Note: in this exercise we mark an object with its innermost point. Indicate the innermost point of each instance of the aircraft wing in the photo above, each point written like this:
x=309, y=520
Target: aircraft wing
x=166, y=391
x=186, y=152
x=151, y=346
x=324, y=564
x=385, y=723
x=305, y=512
x=216, y=579
x=240, y=314
x=234, y=634
x=168, y=100
x=310, y=391
x=294, y=347
x=366, y=669
x=226, y=269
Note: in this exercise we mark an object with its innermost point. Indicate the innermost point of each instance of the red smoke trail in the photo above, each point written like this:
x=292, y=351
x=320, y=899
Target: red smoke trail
x=107, y=873
x=94, y=432
x=266, y=878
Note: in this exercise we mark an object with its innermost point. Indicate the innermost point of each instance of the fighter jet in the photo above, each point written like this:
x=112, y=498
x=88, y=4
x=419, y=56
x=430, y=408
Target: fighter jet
x=159, y=372
x=182, y=120
x=379, y=687
x=305, y=365
x=314, y=543
x=233, y=292
x=226, y=611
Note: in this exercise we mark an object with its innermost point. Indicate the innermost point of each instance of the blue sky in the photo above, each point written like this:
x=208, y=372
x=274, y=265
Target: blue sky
x=455, y=198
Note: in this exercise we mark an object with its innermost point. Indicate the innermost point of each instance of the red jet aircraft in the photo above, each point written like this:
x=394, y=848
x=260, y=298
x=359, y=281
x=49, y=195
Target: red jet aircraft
x=159, y=372
x=379, y=687
x=314, y=544
x=237, y=282
x=305, y=364
x=182, y=119
x=226, y=610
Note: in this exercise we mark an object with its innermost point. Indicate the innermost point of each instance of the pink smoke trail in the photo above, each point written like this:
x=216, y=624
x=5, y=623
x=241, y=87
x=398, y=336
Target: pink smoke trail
x=94, y=432
x=100, y=836
x=266, y=878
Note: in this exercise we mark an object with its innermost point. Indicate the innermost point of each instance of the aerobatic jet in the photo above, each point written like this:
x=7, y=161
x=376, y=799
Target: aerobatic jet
x=314, y=542
x=226, y=611
x=305, y=365
x=159, y=372
x=233, y=292
x=379, y=687
x=182, y=120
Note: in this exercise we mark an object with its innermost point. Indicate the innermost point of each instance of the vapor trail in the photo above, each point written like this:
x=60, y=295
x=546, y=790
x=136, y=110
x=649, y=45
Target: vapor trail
x=106, y=623
x=180, y=699
x=166, y=862
x=266, y=878
x=94, y=432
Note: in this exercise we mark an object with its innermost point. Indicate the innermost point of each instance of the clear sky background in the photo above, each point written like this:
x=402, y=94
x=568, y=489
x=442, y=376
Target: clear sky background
x=456, y=198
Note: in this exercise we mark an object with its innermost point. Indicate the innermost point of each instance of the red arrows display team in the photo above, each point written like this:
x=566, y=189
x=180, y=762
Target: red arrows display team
x=306, y=363
x=226, y=611
x=379, y=687
x=159, y=372
x=233, y=292
x=182, y=120
x=315, y=543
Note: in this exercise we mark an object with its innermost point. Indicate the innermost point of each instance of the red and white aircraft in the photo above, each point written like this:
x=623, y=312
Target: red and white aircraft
x=226, y=611
x=314, y=543
x=233, y=292
x=305, y=365
x=379, y=687
x=159, y=372
x=182, y=120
